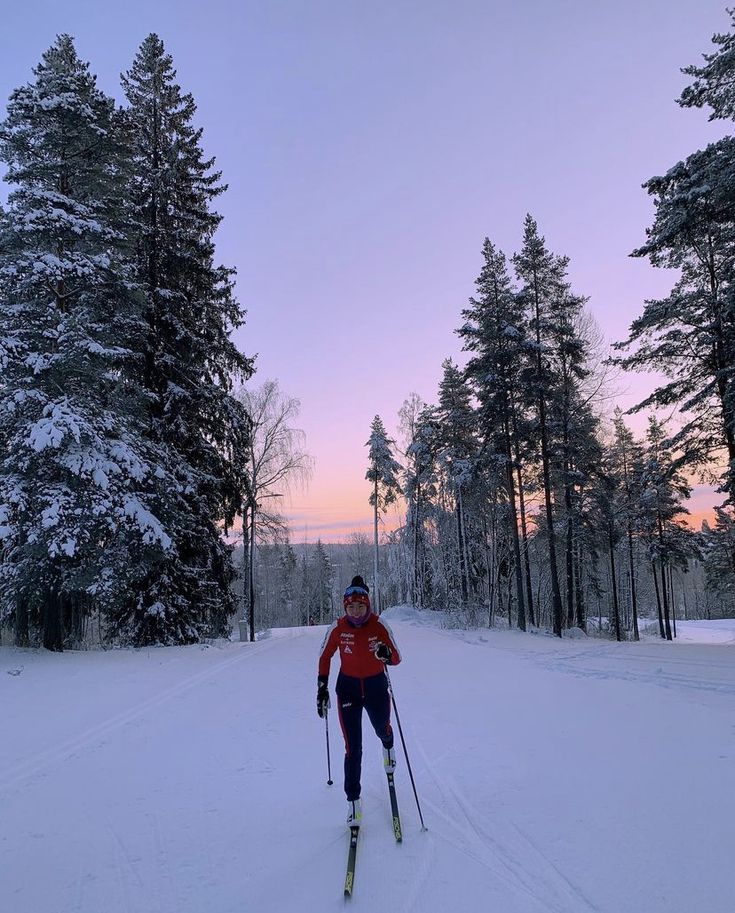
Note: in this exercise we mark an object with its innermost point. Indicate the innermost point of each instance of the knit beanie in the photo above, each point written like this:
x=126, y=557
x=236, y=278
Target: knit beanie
x=357, y=591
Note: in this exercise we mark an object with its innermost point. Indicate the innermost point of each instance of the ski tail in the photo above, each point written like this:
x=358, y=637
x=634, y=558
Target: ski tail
x=351, y=861
x=397, y=833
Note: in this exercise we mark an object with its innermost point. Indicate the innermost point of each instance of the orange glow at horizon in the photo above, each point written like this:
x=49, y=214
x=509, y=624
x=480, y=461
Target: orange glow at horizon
x=333, y=513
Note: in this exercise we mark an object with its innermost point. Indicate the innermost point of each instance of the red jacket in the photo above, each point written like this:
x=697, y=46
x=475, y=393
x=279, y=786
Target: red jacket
x=357, y=647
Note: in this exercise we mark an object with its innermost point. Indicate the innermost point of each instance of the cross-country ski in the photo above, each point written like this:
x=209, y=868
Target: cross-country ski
x=394, y=809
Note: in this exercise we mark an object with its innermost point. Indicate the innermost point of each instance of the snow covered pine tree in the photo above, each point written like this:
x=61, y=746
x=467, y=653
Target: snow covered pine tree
x=383, y=475
x=198, y=428
x=76, y=477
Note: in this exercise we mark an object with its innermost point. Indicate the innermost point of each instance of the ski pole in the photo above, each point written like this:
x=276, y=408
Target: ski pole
x=329, y=763
x=405, y=752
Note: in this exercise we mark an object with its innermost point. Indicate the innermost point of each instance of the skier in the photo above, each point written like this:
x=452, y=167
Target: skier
x=365, y=644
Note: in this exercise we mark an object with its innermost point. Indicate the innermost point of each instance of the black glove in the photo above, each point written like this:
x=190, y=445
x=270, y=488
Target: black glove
x=322, y=698
x=384, y=652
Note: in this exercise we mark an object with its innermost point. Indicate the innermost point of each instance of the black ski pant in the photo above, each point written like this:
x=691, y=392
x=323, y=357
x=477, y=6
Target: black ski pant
x=354, y=694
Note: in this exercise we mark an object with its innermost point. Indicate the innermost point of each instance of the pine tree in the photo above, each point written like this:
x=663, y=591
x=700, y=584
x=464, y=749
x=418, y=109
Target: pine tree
x=494, y=330
x=713, y=84
x=419, y=490
x=189, y=359
x=287, y=565
x=383, y=473
x=690, y=334
x=542, y=276
x=568, y=414
x=322, y=578
x=582, y=471
x=663, y=489
x=608, y=496
x=718, y=548
x=457, y=455
x=78, y=483
x=626, y=457
x=306, y=591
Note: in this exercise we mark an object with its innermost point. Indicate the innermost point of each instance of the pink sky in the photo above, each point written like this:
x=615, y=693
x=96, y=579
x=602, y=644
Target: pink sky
x=370, y=148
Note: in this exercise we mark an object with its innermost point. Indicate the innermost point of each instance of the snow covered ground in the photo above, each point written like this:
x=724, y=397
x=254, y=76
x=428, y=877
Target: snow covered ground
x=721, y=631
x=563, y=776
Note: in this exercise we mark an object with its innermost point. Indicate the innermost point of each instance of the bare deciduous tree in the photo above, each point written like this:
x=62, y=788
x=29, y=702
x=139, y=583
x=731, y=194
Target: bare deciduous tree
x=276, y=459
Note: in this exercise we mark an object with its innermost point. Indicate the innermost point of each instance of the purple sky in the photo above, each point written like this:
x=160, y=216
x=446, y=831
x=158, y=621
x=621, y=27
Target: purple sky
x=369, y=149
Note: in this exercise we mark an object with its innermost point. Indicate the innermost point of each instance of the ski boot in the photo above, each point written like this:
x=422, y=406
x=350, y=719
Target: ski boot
x=354, y=818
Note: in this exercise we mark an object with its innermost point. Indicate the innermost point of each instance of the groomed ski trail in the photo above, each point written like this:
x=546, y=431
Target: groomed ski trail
x=189, y=779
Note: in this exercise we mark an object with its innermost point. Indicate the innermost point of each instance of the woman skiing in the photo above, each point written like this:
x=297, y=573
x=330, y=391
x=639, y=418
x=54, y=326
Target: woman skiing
x=365, y=644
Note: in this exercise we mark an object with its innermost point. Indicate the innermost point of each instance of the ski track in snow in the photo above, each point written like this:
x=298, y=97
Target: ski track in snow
x=413, y=902
x=124, y=868
x=506, y=855
x=646, y=669
x=645, y=662
x=40, y=762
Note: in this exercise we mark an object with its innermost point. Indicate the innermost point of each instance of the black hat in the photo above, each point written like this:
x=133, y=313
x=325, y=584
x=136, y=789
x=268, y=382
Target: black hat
x=358, y=581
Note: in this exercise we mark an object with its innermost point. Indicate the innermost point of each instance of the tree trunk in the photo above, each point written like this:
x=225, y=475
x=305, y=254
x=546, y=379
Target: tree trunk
x=75, y=618
x=415, y=596
x=22, y=625
x=665, y=599
x=673, y=601
x=492, y=571
x=53, y=630
x=460, y=546
x=581, y=614
x=661, y=629
x=664, y=587
x=633, y=593
x=488, y=572
x=251, y=575
x=569, y=527
x=245, y=560
x=613, y=575
x=524, y=531
x=551, y=537
x=514, y=531
x=684, y=598
x=570, y=567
